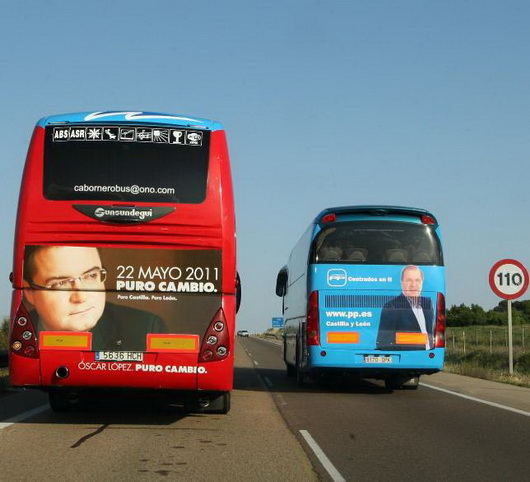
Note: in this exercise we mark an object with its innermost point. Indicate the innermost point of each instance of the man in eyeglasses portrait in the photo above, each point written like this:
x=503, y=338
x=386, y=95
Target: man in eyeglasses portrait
x=65, y=285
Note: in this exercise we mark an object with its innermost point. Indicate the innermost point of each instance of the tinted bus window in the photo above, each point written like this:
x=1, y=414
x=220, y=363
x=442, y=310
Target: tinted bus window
x=377, y=242
x=124, y=163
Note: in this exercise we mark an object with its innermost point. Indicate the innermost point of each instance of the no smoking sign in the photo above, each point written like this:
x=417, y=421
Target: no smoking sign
x=508, y=279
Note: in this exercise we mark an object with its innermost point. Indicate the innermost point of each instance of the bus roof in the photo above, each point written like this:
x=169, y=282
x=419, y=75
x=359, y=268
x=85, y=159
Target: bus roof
x=132, y=117
x=375, y=210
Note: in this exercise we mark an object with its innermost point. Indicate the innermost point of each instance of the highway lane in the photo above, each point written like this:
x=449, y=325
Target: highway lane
x=369, y=433
x=127, y=439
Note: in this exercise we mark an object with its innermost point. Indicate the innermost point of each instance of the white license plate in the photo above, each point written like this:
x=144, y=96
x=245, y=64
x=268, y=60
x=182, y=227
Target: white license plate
x=119, y=356
x=377, y=359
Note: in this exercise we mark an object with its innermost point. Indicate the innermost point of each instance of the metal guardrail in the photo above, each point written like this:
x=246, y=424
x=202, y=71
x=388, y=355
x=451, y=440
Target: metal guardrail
x=3, y=359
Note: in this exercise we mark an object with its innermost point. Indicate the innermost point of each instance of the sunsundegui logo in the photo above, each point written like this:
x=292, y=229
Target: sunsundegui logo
x=118, y=214
x=337, y=277
x=127, y=212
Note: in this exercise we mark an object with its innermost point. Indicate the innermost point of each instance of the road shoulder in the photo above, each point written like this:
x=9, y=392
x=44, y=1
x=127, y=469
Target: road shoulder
x=270, y=449
x=501, y=393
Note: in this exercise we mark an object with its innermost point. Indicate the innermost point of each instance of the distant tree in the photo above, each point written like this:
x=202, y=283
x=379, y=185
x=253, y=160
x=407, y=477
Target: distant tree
x=4, y=329
x=495, y=318
x=463, y=315
x=520, y=311
x=466, y=315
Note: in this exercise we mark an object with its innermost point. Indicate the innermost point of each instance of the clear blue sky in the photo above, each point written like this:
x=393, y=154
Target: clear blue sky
x=421, y=103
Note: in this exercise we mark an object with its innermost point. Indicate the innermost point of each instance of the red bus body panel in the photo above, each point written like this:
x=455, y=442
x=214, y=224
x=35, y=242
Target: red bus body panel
x=209, y=225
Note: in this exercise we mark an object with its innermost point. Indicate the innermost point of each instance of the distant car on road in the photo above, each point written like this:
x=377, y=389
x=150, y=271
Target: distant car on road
x=243, y=333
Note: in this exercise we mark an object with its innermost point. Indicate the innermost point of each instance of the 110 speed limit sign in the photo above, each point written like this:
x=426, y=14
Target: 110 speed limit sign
x=508, y=279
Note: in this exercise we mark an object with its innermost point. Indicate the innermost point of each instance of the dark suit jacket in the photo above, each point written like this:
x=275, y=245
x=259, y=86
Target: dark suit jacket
x=397, y=316
x=123, y=328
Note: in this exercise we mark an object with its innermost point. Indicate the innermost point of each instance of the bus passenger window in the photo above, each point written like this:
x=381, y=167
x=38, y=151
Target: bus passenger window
x=396, y=256
x=356, y=255
x=329, y=253
x=422, y=257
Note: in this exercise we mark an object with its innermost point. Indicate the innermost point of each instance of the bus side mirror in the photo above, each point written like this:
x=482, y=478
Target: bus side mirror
x=238, y=291
x=281, y=282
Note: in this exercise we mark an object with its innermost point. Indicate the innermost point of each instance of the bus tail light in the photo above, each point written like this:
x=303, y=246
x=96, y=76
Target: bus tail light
x=23, y=335
x=313, y=328
x=439, y=331
x=216, y=340
x=329, y=218
x=426, y=219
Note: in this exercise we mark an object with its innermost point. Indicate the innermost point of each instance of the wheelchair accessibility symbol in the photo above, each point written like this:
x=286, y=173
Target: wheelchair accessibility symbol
x=337, y=277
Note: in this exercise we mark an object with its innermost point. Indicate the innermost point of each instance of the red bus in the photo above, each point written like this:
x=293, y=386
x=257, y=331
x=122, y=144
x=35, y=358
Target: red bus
x=124, y=272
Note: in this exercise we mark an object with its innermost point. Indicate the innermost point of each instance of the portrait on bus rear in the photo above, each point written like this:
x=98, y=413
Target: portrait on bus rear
x=120, y=295
x=407, y=321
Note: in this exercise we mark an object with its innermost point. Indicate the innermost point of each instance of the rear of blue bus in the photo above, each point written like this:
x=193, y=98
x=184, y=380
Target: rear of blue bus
x=376, y=294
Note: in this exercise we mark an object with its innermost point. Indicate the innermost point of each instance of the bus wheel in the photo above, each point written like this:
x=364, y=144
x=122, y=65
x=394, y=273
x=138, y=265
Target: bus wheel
x=400, y=383
x=218, y=404
x=291, y=370
x=301, y=377
x=411, y=383
x=63, y=401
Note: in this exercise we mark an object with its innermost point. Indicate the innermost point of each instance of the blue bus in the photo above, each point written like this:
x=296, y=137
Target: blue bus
x=363, y=293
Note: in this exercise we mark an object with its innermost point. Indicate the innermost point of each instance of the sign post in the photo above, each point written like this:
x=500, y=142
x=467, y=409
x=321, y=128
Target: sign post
x=509, y=279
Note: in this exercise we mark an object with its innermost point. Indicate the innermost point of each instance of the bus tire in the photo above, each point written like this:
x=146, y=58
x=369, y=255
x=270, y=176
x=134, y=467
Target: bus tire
x=393, y=383
x=411, y=383
x=301, y=378
x=400, y=383
x=62, y=402
x=218, y=404
x=291, y=370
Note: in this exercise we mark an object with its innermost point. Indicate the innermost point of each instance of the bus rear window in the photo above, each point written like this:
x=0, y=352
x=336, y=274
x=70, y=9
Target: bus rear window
x=126, y=163
x=377, y=242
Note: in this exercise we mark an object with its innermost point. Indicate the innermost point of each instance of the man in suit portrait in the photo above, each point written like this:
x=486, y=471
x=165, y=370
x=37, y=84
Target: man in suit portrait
x=407, y=320
x=65, y=287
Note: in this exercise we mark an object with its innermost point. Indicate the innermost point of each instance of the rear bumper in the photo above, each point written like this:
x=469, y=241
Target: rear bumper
x=362, y=361
x=78, y=369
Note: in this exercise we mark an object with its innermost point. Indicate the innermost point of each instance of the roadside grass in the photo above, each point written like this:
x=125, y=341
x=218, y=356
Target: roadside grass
x=482, y=352
x=502, y=376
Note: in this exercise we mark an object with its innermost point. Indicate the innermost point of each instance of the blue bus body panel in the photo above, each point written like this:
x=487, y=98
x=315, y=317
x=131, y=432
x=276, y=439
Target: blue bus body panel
x=133, y=117
x=351, y=301
x=355, y=359
x=354, y=294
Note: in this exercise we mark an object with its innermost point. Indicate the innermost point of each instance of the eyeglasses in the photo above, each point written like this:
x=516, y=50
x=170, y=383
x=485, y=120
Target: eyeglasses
x=89, y=280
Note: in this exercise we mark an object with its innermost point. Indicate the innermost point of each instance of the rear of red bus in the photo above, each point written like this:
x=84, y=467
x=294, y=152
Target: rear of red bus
x=124, y=270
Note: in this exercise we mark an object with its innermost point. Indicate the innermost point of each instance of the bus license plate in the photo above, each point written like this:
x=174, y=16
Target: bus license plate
x=377, y=358
x=119, y=356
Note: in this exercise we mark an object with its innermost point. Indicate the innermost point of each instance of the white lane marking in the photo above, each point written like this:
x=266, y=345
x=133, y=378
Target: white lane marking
x=23, y=416
x=255, y=362
x=467, y=397
x=330, y=468
x=267, y=382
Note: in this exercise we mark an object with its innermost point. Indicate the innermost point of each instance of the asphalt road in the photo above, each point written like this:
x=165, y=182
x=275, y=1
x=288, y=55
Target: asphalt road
x=277, y=431
x=369, y=433
x=133, y=440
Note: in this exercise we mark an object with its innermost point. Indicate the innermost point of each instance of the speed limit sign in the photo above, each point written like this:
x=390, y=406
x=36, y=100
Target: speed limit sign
x=508, y=279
